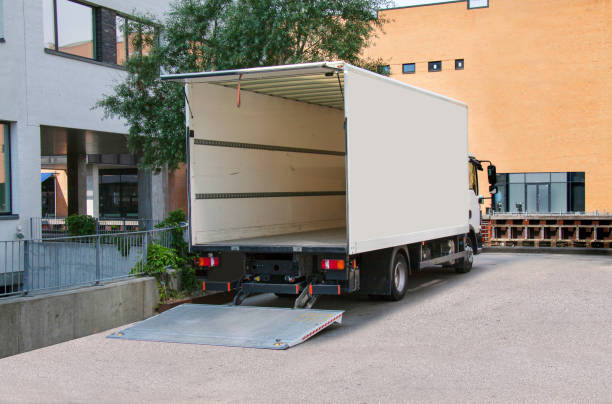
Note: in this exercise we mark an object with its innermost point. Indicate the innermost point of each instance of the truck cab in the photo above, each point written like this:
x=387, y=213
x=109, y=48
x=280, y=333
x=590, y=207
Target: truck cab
x=475, y=214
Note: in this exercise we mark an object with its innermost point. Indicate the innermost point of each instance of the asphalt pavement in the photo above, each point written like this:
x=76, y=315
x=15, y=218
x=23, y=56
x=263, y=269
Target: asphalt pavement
x=519, y=327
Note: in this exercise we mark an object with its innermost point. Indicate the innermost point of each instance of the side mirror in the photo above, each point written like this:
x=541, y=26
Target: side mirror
x=492, y=174
x=481, y=199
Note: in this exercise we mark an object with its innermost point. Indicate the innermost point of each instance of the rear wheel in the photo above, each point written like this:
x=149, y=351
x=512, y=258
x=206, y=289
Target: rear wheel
x=399, y=277
x=464, y=265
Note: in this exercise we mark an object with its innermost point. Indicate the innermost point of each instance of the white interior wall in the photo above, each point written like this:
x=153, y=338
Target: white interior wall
x=263, y=120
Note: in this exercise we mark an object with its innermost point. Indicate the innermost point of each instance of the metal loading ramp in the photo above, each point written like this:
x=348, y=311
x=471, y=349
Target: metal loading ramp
x=239, y=326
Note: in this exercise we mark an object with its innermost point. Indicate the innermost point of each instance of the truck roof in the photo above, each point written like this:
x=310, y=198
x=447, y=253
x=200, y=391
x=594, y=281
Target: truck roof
x=320, y=83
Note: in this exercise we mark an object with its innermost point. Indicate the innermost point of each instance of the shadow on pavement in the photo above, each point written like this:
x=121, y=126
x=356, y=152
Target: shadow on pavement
x=360, y=310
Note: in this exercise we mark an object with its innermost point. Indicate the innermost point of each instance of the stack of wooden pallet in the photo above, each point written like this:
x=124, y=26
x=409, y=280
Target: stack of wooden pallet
x=533, y=230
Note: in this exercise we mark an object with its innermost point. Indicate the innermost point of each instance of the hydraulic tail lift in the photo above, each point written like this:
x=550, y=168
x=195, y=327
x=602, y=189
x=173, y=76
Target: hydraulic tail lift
x=240, y=326
x=230, y=325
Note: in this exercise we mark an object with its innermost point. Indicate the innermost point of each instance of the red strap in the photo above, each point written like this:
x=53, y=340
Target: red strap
x=238, y=100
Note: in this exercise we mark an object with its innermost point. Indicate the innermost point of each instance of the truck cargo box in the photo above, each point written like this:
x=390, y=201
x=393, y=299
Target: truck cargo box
x=321, y=157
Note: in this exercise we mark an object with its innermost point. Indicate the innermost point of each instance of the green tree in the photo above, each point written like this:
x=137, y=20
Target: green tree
x=204, y=35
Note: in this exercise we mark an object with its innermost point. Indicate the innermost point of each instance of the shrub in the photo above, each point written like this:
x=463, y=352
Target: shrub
x=189, y=281
x=175, y=220
x=81, y=225
x=159, y=258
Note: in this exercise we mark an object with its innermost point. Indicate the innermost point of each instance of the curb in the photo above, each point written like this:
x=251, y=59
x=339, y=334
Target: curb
x=549, y=250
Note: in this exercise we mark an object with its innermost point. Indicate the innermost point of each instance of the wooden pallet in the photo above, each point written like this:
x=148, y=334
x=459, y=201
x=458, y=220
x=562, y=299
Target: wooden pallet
x=550, y=231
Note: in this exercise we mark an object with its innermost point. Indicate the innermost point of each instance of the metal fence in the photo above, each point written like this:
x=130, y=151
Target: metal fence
x=44, y=228
x=31, y=266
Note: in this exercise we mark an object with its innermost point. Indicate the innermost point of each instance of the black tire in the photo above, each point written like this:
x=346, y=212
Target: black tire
x=398, y=277
x=464, y=265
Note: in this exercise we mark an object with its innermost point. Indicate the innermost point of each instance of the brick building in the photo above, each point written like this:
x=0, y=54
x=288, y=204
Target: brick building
x=537, y=76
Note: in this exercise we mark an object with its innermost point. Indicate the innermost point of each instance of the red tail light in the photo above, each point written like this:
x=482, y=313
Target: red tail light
x=332, y=264
x=208, y=262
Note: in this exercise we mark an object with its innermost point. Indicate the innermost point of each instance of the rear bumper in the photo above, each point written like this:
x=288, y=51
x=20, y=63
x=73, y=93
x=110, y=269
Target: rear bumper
x=282, y=288
x=325, y=289
x=212, y=286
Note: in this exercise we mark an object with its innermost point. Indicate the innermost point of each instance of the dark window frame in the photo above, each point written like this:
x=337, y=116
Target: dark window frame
x=432, y=63
x=573, y=179
x=95, y=59
x=122, y=211
x=477, y=7
x=409, y=64
x=140, y=23
x=462, y=61
x=93, y=31
x=9, y=175
x=385, y=70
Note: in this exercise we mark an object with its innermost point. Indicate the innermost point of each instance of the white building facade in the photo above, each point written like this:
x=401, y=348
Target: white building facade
x=57, y=58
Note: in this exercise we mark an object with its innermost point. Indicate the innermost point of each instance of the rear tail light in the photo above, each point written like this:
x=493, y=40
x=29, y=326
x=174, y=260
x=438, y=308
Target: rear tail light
x=207, y=262
x=332, y=264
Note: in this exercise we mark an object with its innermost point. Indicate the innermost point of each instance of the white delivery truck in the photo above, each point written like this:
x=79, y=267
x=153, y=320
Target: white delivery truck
x=324, y=178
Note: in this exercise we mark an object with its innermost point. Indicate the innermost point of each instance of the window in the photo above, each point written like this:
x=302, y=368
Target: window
x=386, y=70
x=540, y=192
x=435, y=66
x=478, y=4
x=48, y=194
x=473, y=176
x=5, y=168
x=118, y=193
x=69, y=27
x=132, y=35
x=95, y=33
x=408, y=68
x=459, y=64
x=121, y=32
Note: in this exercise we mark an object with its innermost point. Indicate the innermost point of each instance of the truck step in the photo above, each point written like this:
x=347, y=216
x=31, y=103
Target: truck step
x=236, y=326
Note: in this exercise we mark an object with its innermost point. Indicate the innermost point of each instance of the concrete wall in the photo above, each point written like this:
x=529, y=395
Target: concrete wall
x=536, y=80
x=37, y=88
x=34, y=322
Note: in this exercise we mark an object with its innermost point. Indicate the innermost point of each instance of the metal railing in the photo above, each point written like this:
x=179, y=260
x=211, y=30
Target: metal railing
x=43, y=227
x=44, y=265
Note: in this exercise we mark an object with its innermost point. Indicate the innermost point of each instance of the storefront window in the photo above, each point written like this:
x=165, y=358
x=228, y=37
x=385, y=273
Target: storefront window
x=118, y=193
x=559, y=192
x=5, y=168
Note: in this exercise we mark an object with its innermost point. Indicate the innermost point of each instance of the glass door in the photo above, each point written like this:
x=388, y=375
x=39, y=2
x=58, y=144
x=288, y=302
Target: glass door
x=538, y=198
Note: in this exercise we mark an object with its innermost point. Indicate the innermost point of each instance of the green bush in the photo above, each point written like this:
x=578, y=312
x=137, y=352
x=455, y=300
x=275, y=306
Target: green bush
x=175, y=220
x=159, y=258
x=80, y=225
x=189, y=282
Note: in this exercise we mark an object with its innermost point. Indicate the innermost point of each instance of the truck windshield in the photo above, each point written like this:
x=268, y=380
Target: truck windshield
x=473, y=177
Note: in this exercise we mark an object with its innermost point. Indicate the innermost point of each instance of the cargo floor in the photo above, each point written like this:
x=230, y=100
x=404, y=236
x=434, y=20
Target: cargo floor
x=328, y=238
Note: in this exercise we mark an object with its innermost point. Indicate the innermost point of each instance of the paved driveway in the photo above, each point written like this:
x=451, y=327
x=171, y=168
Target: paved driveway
x=517, y=328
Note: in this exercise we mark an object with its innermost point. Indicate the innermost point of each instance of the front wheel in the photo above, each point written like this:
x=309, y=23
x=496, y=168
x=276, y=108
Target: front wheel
x=399, y=277
x=464, y=265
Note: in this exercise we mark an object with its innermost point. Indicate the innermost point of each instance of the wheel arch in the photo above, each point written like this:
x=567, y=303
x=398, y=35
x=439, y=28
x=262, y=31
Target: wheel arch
x=472, y=235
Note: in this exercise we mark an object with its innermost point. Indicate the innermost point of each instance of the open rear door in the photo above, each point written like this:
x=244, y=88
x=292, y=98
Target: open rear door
x=406, y=163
